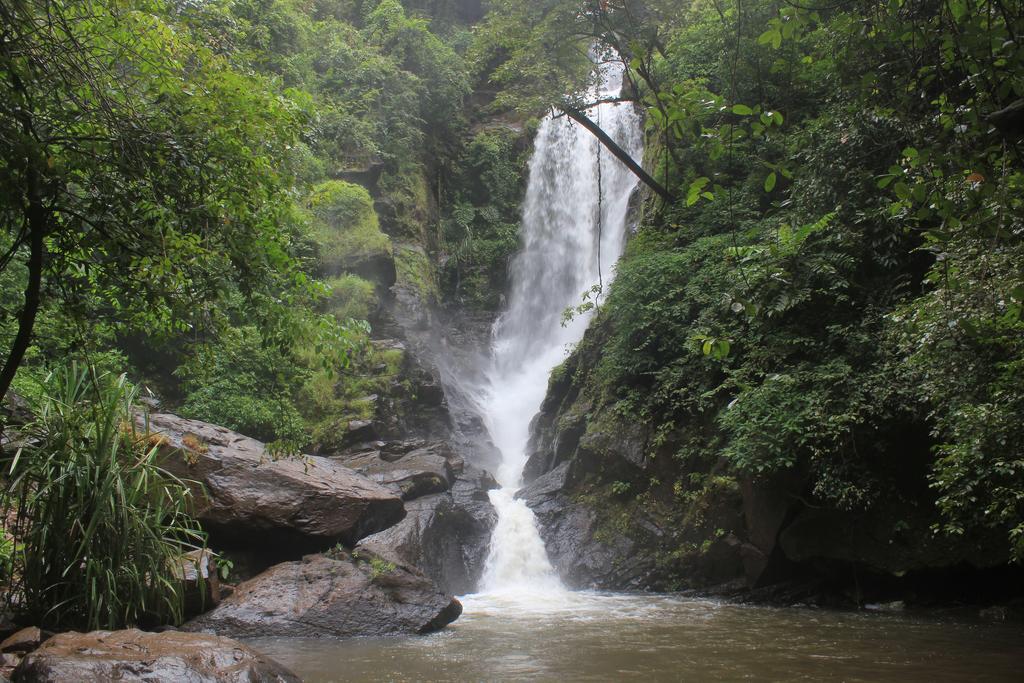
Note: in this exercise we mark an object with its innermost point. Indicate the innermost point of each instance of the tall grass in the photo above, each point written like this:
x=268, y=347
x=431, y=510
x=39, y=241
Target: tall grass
x=97, y=524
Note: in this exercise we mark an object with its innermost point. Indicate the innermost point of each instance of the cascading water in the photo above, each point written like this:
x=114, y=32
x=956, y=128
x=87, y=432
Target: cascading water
x=573, y=227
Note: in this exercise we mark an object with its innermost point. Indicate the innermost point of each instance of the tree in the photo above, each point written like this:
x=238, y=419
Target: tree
x=141, y=178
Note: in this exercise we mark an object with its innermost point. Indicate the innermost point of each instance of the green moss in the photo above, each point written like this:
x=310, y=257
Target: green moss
x=415, y=272
x=351, y=297
x=393, y=359
x=345, y=225
x=406, y=193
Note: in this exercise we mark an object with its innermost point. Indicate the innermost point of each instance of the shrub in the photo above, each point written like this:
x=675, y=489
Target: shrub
x=346, y=225
x=97, y=524
x=245, y=384
x=351, y=297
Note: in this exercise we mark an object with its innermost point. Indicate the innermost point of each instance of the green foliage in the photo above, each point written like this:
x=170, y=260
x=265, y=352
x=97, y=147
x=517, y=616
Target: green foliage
x=135, y=144
x=97, y=526
x=480, y=229
x=346, y=225
x=839, y=270
x=351, y=297
x=245, y=385
x=416, y=272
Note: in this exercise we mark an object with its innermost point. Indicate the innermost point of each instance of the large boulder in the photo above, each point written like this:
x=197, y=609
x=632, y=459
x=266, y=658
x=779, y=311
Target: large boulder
x=334, y=596
x=445, y=535
x=410, y=469
x=246, y=492
x=133, y=655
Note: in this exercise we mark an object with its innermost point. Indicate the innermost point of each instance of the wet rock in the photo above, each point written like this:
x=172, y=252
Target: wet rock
x=359, y=431
x=249, y=492
x=333, y=596
x=133, y=655
x=893, y=606
x=415, y=473
x=8, y=662
x=568, y=529
x=25, y=640
x=447, y=536
x=198, y=574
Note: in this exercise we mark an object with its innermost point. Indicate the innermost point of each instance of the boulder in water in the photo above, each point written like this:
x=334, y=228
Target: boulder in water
x=336, y=596
x=133, y=655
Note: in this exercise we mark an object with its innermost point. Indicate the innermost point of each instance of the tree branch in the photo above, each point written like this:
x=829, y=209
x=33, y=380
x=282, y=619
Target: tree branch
x=619, y=153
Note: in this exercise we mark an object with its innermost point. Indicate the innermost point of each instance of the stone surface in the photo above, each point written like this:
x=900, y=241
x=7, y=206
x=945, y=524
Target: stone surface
x=416, y=473
x=333, y=596
x=133, y=655
x=445, y=535
x=25, y=640
x=249, y=492
x=409, y=469
x=568, y=529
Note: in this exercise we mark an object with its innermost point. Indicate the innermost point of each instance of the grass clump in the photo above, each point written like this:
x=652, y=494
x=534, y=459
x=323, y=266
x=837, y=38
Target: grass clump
x=97, y=525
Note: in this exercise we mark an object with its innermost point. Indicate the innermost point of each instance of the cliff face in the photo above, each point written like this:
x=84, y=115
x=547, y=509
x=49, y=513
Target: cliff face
x=619, y=509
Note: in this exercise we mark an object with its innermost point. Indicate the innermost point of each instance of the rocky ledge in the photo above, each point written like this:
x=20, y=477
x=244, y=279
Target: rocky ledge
x=241, y=490
x=449, y=517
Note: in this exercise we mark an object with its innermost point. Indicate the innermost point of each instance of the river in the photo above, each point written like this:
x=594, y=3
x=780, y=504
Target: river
x=623, y=637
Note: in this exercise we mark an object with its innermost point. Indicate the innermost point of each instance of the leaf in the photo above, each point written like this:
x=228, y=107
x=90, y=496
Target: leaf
x=742, y=110
x=902, y=190
x=694, y=192
x=769, y=182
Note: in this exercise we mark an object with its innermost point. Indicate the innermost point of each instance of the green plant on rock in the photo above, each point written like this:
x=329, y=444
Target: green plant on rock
x=97, y=525
x=345, y=225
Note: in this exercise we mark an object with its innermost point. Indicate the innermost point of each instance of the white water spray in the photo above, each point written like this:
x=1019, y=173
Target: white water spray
x=573, y=227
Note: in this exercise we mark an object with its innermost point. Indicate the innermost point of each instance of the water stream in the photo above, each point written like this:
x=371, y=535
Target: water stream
x=574, y=216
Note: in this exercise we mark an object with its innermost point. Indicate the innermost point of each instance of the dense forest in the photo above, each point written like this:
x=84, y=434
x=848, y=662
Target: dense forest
x=811, y=358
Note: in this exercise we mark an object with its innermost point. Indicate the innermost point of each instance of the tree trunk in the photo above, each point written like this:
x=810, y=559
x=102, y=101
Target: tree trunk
x=620, y=154
x=27, y=320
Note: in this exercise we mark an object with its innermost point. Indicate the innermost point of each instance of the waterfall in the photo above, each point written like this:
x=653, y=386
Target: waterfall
x=573, y=226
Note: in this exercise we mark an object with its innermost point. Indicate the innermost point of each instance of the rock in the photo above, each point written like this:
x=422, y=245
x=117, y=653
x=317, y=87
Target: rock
x=447, y=536
x=359, y=431
x=868, y=539
x=332, y=596
x=247, y=492
x=8, y=663
x=197, y=571
x=894, y=606
x=25, y=640
x=134, y=655
x=414, y=473
x=568, y=529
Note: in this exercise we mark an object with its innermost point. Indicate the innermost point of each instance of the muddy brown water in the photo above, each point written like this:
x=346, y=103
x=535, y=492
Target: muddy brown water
x=665, y=638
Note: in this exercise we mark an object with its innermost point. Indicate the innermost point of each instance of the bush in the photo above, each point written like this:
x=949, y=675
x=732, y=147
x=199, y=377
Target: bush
x=246, y=384
x=97, y=525
x=346, y=225
x=351, y=297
